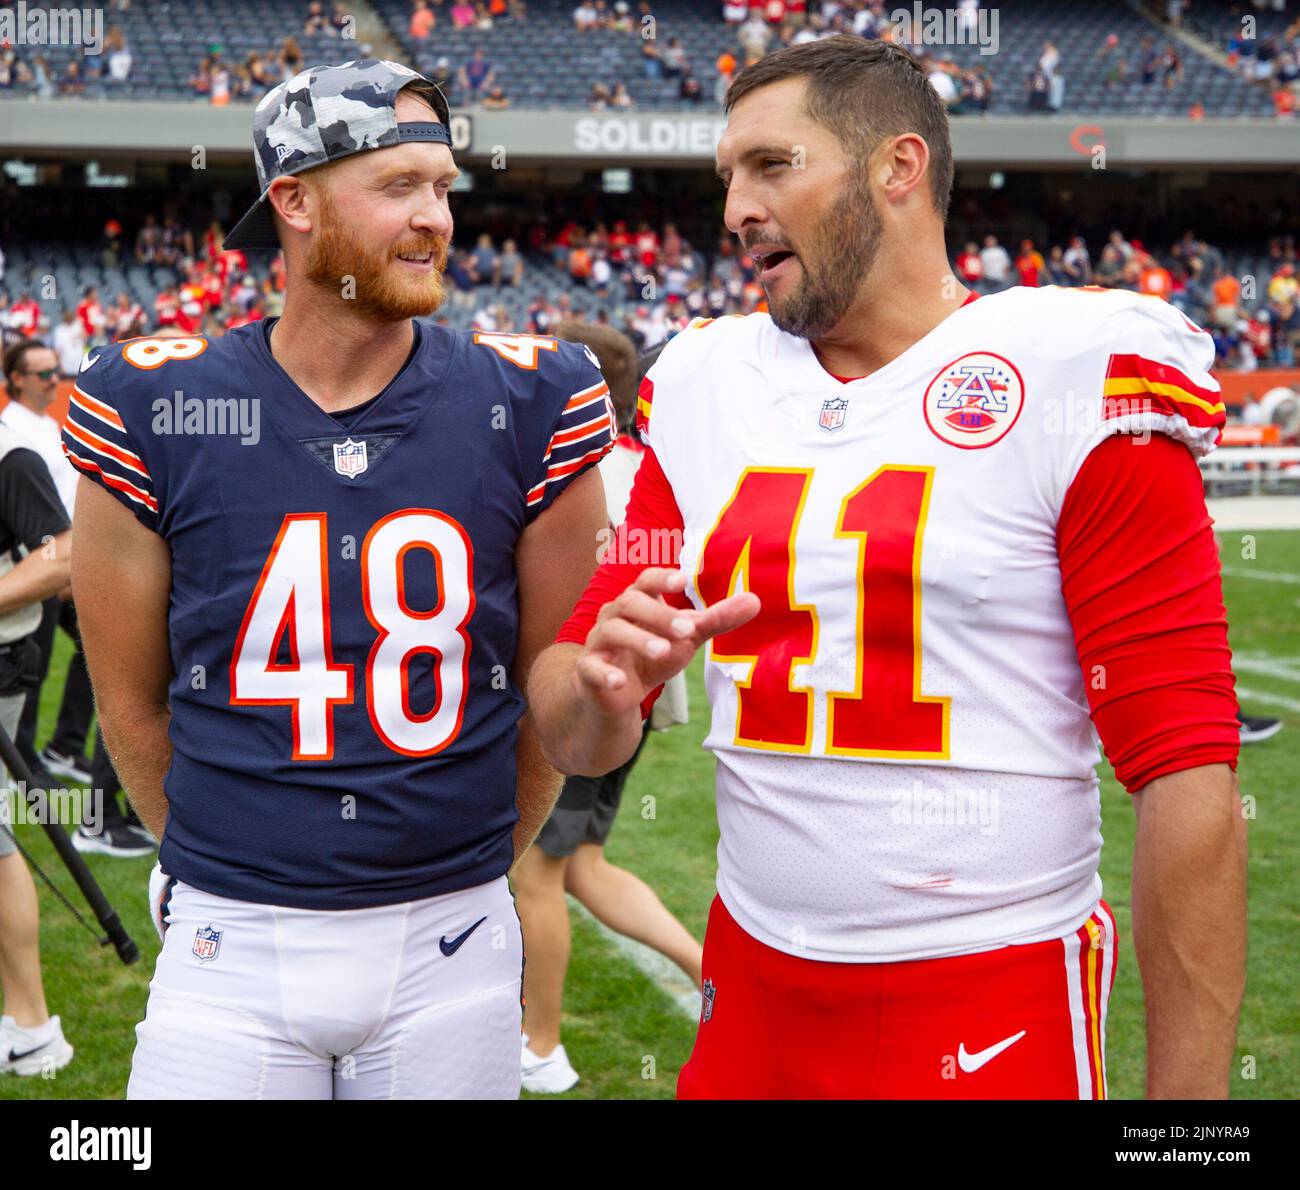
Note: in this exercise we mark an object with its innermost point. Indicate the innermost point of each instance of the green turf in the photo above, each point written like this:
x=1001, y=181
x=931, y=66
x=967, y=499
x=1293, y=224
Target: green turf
x=626, y=1037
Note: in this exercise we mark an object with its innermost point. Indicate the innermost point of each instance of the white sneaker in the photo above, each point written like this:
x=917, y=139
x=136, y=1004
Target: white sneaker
x=33, y=1051
x=549, y=1075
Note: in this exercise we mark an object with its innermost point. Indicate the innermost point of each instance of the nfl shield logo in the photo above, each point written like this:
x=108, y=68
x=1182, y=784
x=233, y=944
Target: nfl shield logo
x=833, y=413
x=710, y=991
x=207, y=942
x=350, y=458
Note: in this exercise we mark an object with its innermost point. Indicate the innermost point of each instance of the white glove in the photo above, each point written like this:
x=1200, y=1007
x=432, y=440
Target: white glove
x=160, y=888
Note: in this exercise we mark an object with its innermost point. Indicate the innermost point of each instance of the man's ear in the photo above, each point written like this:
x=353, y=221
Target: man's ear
x=290, y=199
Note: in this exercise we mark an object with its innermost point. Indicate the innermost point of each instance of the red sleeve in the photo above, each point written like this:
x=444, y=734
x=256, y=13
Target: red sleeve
x=1140, y=575
x=651, y=535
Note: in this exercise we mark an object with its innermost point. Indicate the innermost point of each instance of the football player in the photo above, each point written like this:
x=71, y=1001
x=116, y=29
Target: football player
x=929, y=536
x=316, y=559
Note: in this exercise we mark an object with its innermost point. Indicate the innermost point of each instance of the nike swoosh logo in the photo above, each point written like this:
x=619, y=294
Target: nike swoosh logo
x=89, y=362
x=450, y=948
x=972, y=1062
x=14, y=1055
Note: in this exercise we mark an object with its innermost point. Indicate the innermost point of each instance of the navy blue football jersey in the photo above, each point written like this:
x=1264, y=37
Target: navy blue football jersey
x=344, y=613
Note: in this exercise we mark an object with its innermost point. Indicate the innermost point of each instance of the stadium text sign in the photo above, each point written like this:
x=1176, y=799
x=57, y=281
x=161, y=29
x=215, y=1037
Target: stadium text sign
x=22, y=25
x=662, y=136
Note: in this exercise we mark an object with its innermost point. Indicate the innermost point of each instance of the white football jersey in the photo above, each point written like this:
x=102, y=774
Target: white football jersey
x=906, y=763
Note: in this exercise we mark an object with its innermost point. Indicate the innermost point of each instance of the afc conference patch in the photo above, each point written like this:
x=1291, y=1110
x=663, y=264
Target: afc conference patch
x=832, y=415
x=350, y=458
x=975, y=400
x=710, y=993
x=207, y=943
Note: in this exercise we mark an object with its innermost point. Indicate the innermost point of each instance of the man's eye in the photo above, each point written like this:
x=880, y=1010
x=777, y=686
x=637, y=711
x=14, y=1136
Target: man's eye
x=771, y=161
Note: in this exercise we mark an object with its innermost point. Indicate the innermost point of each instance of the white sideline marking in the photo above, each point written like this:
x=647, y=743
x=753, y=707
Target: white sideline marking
x=1273, y=700
x=1267, y=576
x=1270, y=667
x=661, y=970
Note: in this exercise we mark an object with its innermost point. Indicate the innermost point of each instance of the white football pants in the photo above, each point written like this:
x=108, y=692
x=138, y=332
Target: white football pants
x=253, y=1001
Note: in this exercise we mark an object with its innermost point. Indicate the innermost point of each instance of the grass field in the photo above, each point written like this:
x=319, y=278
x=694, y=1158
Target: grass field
x=628, y=1039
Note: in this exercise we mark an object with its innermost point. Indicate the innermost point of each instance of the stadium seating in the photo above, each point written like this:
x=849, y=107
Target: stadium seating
x=543, y=62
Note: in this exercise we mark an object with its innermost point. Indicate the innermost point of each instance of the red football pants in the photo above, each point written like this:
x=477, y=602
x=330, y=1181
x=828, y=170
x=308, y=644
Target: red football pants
x=1019, y=1022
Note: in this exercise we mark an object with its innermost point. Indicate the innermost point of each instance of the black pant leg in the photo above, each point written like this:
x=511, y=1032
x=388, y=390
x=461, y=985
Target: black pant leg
x=44, y=640
x=103, y=776
x=78, y=705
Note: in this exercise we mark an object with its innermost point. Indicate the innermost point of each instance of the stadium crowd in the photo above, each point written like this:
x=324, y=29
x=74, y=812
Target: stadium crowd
x=647, y=281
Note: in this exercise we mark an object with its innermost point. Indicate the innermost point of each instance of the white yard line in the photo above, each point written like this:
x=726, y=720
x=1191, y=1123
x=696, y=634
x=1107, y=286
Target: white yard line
x=1272, y=700
x=661, y=971
x=1265, y=576
x=1270, y=667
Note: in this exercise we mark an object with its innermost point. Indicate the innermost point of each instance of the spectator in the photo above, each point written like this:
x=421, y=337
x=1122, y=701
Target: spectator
x=1037, y=87
x=462, y=15
x=423, y=21
x=622, y=20
x=290, y=59
x=118, y=55
x=977, y=90
x=485, y=266
x=315, y=22
x=1049, y=58
x=754, y=37
x=942, y=81
x=691, y=88
x=510, y=267
x=70, y=81
x=25, y=315
x=1077, y=263
x=726, y=68
x=341, y=21
x=1172, y=65
x=651, y=60
x=1055, y=269
x=674, y=59
x=969, y=268
x=1110, y=266
x=476, y=76
x=219, y=96
x=1252, y=410
x=620, y=98
x=734, y=13
x=1226, y=290
x=443, y=77
x=201, y=80
x=69, y=341
x=1154, y=279
x=598, y=98
x=997, y=264
x=496, y=99
x=1029, y=264
x=584, y=17
x=92, y=317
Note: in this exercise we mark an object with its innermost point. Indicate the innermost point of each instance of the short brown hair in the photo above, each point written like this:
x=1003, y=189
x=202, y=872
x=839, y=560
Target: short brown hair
x=15, y=358
x=617, y=358
x=865, y=92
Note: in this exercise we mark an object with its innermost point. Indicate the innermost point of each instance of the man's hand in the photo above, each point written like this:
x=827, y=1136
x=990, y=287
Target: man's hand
x=586, y=699
x=640, y=640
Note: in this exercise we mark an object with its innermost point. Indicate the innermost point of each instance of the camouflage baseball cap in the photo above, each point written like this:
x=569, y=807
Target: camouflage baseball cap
x=326, y=113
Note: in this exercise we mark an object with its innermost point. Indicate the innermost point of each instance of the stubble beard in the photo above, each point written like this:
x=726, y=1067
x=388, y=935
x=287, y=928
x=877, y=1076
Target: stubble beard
x=843, y=250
